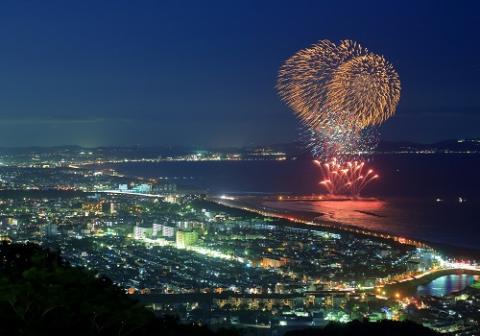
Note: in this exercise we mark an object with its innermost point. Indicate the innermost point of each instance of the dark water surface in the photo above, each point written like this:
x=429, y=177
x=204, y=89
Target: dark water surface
x=407, y=190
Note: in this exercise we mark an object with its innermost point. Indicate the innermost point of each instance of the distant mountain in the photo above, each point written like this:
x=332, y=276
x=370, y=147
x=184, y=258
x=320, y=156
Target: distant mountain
x=293, y=149
x=461, y=145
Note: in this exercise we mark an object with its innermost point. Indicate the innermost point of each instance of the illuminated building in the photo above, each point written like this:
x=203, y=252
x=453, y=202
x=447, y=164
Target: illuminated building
x=10, y=221
x=171, y=199
x=143, y=188
x=271, y=262
x=109, y=208
x=165, y=188
x=168, y=231
x=186, y=238
x=140, y=232
x=156, y=229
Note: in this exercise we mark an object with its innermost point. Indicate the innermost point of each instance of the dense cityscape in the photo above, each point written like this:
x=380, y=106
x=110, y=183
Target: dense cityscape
x=76, y=156
x=239, y=168
x=188, y=254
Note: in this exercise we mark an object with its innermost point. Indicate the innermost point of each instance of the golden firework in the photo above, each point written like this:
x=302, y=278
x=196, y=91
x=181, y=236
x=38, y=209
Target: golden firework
x=339, y=87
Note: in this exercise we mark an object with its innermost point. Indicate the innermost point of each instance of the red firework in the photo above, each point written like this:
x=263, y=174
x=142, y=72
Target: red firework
x=345, y=178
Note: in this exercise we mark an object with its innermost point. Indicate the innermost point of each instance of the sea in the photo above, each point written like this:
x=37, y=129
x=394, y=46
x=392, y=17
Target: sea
x=432, y=197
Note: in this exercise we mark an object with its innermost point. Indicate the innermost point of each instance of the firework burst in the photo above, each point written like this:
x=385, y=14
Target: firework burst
x=339, y=92
x=345, y=178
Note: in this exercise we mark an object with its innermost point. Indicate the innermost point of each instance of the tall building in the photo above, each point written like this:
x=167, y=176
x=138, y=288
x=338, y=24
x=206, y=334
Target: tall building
x=186, y=238
x=140, y=232
x=157, y=230
x=168, y=231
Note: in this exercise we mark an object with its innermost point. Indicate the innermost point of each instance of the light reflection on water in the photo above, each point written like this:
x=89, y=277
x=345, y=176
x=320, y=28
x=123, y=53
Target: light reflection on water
x=376, y=215
x=414, y=218
x=447, y=284
x=409, y=187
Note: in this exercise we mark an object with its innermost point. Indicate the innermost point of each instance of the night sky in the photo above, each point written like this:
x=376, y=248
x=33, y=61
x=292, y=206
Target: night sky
x=202, y=73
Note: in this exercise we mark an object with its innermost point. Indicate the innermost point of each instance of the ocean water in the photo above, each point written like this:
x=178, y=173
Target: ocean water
x=448, y=222
x=406, y=192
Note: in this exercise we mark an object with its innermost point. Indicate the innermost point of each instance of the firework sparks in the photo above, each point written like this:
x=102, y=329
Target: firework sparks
x=339, y=92
x=345, y=178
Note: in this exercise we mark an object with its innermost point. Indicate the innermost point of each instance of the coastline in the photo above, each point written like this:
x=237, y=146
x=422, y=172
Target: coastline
x=418, y=211
x=402, y=287
x=303, y=218
x=320, y=220
x=409, y=287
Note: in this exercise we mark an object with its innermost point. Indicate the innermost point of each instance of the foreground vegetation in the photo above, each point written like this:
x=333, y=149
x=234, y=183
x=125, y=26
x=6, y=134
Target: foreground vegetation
x=40, y=294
